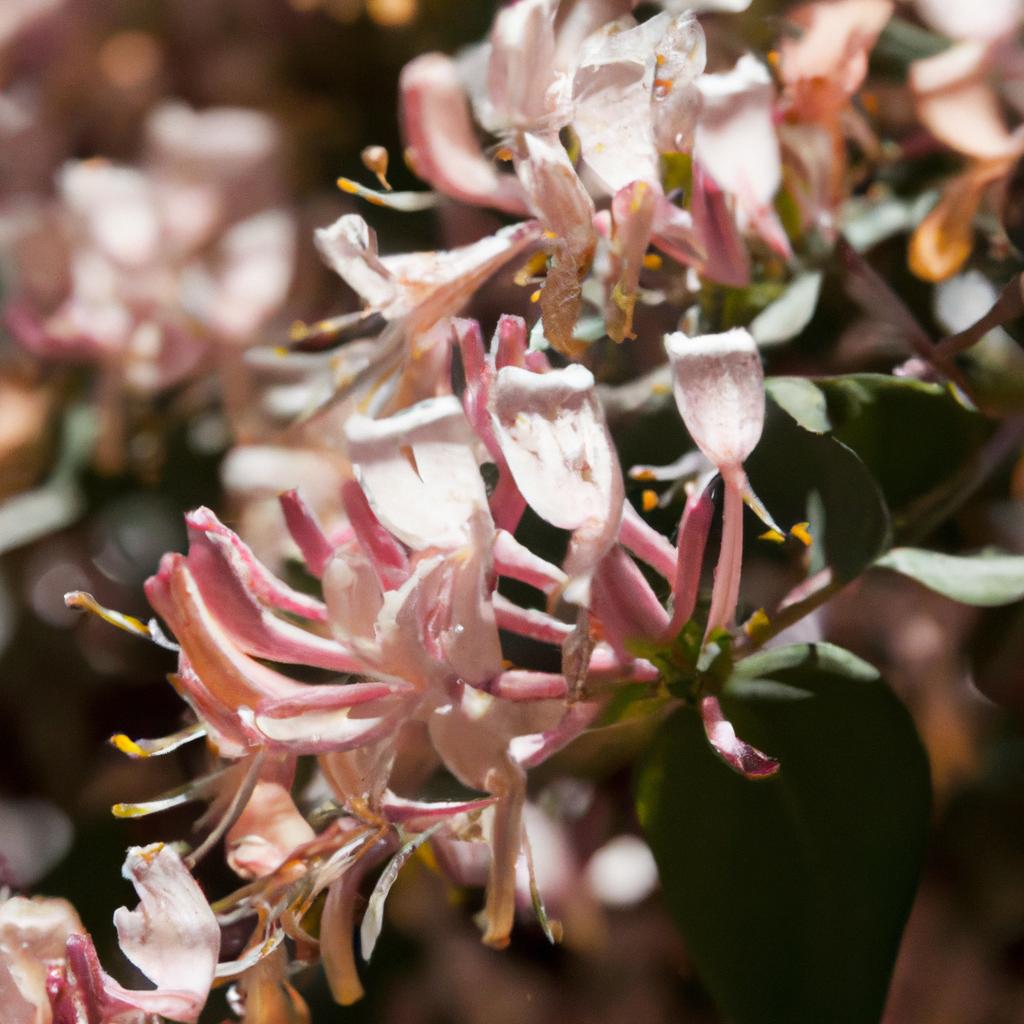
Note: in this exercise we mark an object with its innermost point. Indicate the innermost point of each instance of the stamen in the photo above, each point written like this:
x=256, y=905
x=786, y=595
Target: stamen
x=157, y=747
x=375, y=160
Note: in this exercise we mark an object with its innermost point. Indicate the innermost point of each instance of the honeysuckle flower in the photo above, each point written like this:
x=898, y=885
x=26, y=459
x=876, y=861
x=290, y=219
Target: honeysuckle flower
x=411, y=292
x=167, y=264
x=957, y=103
x=173, y=938
x=822, y=63
x=551, y=431
x=627, y=90
x=719, y=388
x=736, y=146
x=33, y=935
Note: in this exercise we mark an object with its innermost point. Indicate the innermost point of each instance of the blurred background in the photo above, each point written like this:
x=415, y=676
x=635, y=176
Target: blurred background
x=81, y=79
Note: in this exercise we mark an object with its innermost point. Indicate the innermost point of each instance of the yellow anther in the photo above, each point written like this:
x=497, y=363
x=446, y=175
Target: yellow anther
x=652, y=261
x=349, y=186
x=659, y=59
x=659, y=388
x=773, y=58
x=773, y=535
x=375, y=160
x=642, y=474
x=505, y=154
x=802, y=533
x=298, y=331
x=649, y=500
x=127, y=811
x=127, y=746
x=535, y=297
x=756, y=624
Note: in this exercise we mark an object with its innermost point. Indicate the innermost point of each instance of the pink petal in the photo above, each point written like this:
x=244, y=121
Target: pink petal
x=956, y=103
x=613, y=90
x=517, y=562
x=349, y=248
x=306, y=531
x=333, y=718
x=523, y=90
x=230, y=676
x=387, y=556
x=266, y=832
x=172, y=937
x=552, y=433
x=215, y=567
x=529, y=751
x=566, y=210
x=739, y=756
x=825, y=61
x=633, y=214
x=524, y=685
x=625, y=604
x=646, y=543
x=737, y=146
x=964, y=19
x=419, y=470
x=719, y=388
x=529, y=622
x=440, y=140
x=693, y=537
x=726, y=260
x=257, y=578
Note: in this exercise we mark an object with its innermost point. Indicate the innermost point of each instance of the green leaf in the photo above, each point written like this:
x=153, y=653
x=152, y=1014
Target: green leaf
x=802, y=475
x=791, y=893
x=803, y=400
x=912, y=436
x=987, y=579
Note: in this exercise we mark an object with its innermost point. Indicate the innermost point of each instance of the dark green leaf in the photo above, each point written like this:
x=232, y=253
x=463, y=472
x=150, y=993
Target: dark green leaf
x=794, y=470
x=792, y=892
x=913, y=437
x=988, y=579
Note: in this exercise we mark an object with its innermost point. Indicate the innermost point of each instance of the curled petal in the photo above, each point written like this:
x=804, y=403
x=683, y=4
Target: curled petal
x=419, y=470
x=266, y=832
x=441, y=144
x=566, y=210
x=693, y=537
x=257, y=578
x=387, y=556
x=646, y=543
x=216, y=568
x=554, y=438
x=624, y=602
x=529, y=751
x=349, y=248
x=824, y=62
x=332, y=718
x=172, y=937
x=633, y=212
x=737, y=754
x=956, y=103
x=523, y=89
x=725, y=254
x=517, y=562
x=737, y=146
x=943, y=241
x=306, y=531
x=613, y=89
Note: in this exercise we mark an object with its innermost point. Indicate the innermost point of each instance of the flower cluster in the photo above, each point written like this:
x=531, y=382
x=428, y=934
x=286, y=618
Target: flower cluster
x=390, y=622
